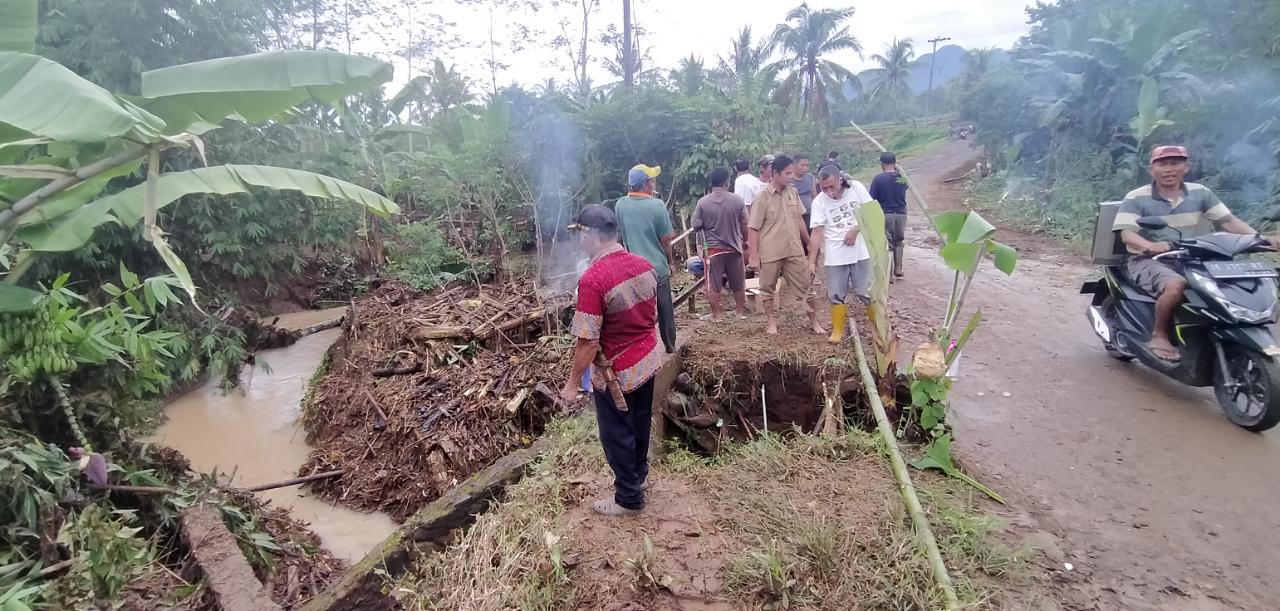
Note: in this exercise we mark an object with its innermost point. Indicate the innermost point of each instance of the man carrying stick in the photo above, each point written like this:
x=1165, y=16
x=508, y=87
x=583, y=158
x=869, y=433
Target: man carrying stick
x=614, y=326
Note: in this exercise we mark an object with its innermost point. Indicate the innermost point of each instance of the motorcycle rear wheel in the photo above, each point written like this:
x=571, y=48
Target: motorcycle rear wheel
x=1109, y=314
x=1251, y=398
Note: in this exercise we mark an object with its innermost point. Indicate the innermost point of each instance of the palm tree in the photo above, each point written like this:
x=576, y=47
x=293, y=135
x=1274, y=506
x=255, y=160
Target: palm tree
x=895, y=68
x=690, y=76
x=977, y=62
x=548, y=88
x=747, y=58
x=448, y=88
x=805, y=40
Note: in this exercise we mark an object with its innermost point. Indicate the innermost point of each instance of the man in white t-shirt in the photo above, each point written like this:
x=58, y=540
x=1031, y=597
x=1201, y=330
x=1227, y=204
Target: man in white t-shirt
x=746, y=185
x=834, y=230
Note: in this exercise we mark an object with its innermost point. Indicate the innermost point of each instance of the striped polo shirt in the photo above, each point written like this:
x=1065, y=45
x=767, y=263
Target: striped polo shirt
x=1190, y=214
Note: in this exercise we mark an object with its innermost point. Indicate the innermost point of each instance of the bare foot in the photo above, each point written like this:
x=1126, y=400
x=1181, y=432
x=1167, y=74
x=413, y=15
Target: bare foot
x=818, y=330
x=772, y=329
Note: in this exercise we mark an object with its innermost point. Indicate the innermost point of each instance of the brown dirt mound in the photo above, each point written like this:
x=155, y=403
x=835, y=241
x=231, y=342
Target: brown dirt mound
x=682, y=569
x=425, y=389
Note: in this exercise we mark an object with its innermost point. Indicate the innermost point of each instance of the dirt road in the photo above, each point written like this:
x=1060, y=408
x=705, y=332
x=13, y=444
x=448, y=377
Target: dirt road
x=1152, y=496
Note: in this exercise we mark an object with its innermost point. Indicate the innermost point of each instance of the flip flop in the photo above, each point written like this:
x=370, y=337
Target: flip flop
x=1171, y=357
x=607, y=507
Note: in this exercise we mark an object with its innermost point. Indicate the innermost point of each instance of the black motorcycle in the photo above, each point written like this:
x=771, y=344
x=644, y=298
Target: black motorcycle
x=1221, y=328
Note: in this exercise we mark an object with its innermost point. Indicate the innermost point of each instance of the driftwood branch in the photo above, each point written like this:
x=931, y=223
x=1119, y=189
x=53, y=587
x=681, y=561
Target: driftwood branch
x=297, y=480
x=133, y=489
x=483, y=331
x=324, y=326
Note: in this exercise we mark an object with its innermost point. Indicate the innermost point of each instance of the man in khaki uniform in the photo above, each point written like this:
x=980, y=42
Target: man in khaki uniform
x=776, y=241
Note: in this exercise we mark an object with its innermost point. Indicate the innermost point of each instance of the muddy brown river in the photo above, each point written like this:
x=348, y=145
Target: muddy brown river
x=254, y=437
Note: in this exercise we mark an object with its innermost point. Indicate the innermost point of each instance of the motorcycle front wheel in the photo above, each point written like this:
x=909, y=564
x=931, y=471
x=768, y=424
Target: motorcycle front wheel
x=1251, y=397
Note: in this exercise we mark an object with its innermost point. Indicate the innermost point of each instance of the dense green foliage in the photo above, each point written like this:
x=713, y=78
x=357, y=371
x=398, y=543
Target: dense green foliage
x=239, y=198
x=1096, y=85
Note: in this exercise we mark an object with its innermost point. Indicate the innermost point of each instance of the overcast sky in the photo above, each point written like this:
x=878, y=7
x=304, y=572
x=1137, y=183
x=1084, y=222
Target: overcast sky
x=677, y=28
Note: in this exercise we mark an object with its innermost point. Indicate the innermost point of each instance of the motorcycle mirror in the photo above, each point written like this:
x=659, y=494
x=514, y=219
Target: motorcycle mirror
x=1153, y=223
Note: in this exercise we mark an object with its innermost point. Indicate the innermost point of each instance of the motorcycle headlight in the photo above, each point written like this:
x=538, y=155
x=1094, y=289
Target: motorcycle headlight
x=1209, y=287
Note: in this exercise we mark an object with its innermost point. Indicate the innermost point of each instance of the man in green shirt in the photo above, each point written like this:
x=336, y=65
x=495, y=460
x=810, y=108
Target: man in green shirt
x=647, y=231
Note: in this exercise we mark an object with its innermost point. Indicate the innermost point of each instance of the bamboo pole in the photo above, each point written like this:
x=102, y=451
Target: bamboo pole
x=905, y=487
x=915, y=193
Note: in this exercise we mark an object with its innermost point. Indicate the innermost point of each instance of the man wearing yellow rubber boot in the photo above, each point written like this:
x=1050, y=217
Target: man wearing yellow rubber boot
x=834, y=230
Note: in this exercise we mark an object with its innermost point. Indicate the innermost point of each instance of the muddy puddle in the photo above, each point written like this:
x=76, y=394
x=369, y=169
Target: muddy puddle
x=255, y=435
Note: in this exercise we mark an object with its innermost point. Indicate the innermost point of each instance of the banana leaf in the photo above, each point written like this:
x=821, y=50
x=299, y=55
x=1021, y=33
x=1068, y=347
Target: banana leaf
x=73, y=230
x=41, y=98
x=16, y=299
x=254, y=87
x=17, y=25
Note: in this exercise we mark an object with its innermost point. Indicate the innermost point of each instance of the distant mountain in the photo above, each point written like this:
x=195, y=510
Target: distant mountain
x=950, y=64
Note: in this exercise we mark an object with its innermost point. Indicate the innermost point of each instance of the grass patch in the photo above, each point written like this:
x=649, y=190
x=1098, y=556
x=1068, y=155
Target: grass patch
x=817, y=524
x=826, y=529
x=509, y=558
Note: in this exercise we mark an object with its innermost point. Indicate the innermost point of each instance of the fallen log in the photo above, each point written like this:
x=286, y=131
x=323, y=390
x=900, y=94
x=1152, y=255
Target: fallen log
x=362, y=587
x=297, y=480
x=324, y=326
x=483, y=332
x=218, y=559
x=439, y=332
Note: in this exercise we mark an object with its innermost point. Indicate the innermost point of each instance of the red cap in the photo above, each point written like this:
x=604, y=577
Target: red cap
x=1167, y=152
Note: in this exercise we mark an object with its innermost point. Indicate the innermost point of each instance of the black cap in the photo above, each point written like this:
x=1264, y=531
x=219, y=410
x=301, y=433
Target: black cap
x=888, y=158
x=597, y=217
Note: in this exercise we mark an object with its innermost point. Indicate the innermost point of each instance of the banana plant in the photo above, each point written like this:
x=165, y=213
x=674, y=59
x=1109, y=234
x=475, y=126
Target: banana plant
x=966, y=243
x=870, y=217
x=63, y=139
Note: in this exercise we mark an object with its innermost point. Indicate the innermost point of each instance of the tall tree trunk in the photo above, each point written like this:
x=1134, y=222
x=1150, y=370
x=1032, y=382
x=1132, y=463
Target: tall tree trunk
x=628, y=49
x=583, y=85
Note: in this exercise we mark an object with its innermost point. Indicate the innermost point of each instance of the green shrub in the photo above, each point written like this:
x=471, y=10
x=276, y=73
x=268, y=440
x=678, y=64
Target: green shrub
x=421, y=257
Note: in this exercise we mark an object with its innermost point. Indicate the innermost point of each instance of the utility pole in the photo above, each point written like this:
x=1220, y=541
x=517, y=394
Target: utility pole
x=933, y=58
x=628, y=52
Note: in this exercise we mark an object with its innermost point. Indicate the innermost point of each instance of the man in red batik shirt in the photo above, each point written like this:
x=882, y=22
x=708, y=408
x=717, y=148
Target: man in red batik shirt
x=615, y=323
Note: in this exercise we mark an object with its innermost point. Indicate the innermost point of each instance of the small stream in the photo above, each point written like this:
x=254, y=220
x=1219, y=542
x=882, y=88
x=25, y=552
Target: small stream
x=254, y=434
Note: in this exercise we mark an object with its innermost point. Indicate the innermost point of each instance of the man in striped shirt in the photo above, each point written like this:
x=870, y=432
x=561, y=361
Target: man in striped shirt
x=614, y=321
x=1186, y=207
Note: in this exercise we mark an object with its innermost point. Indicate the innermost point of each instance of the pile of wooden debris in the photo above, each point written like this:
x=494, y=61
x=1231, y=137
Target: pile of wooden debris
x=423, y=390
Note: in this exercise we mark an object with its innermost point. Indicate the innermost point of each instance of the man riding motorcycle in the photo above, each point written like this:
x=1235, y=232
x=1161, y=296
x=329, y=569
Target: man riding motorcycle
x=1184, y=206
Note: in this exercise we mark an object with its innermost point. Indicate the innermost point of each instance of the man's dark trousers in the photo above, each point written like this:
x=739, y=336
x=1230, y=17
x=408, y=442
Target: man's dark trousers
x=625, y=437
x=666, y=315
x=896, y=228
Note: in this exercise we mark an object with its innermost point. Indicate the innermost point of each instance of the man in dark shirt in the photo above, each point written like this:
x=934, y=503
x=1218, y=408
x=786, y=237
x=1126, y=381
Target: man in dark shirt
x=721, y=218
x=833, y=158
x=890, y=189
x=804, y=184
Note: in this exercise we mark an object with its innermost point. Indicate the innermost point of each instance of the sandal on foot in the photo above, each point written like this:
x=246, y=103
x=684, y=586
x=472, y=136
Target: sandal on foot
x=607, y=507
x=1170, y=355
